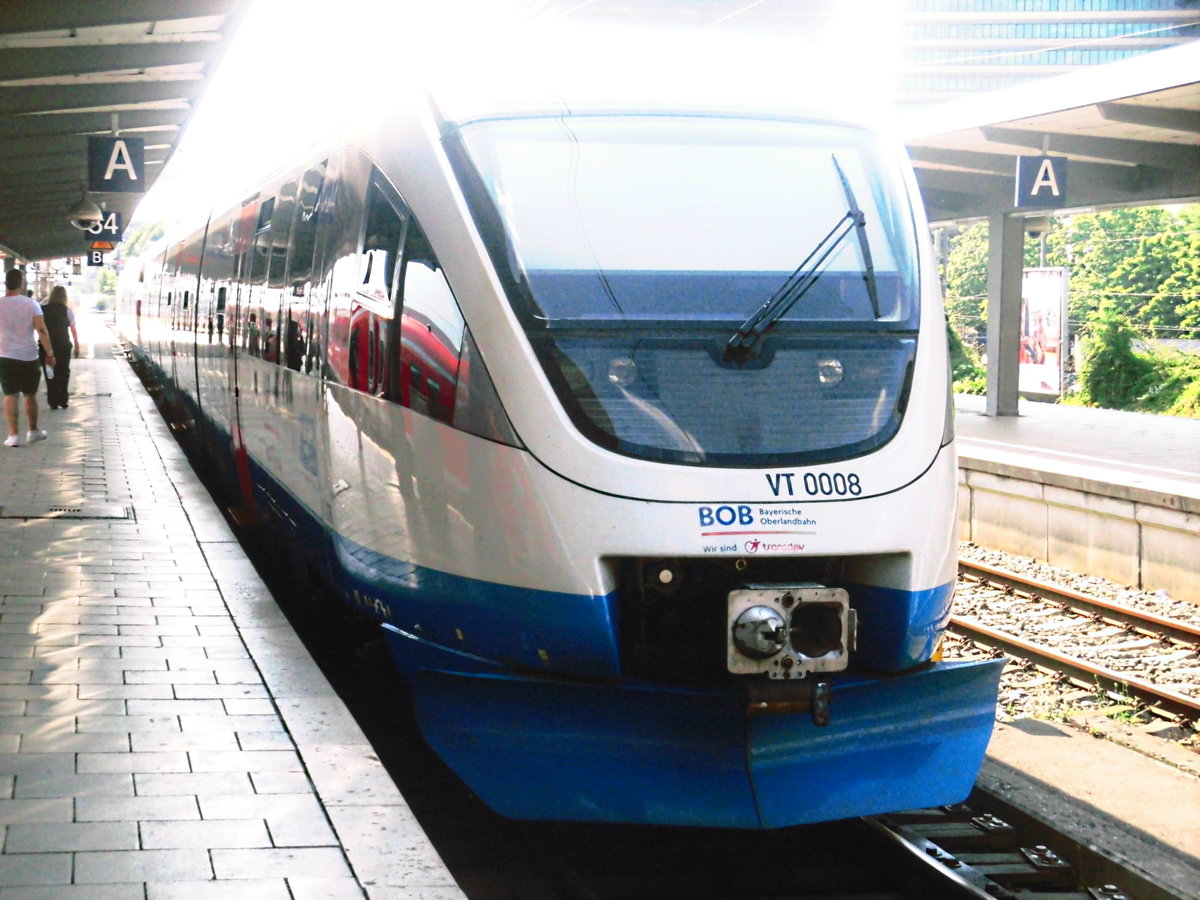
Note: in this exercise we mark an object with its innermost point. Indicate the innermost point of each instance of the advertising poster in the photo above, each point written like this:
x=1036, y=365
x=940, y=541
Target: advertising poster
x=1043, y=331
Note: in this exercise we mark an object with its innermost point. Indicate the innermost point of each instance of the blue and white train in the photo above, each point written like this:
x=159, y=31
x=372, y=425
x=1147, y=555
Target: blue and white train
x=630, y=427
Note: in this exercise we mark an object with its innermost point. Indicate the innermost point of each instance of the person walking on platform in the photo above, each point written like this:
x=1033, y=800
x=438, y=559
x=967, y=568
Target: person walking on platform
x=20, y=317
x=60, y=322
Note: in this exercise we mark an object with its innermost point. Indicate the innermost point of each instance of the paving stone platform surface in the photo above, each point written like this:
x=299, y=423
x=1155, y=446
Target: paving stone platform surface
x=164, y=735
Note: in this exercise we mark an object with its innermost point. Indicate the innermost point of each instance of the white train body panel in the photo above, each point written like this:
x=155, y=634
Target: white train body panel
x=573, y=474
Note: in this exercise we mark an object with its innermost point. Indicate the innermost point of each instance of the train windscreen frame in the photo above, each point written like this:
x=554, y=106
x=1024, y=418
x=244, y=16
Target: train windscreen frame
x=636, y=250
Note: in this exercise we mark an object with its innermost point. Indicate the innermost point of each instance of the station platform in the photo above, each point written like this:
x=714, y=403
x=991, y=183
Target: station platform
x=1135, y=450
x=1109, y=493
x=164, y=735
x=1030, y=480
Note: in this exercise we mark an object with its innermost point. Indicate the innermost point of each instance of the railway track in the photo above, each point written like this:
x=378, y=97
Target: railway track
x=1093, y=642
x=982, y=849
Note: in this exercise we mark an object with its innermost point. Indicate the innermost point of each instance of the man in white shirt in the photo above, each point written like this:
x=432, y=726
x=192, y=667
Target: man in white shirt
x=20, y=372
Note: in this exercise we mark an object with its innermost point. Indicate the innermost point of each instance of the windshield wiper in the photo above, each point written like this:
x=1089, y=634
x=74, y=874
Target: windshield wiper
x=741, y=346
x=860, y=229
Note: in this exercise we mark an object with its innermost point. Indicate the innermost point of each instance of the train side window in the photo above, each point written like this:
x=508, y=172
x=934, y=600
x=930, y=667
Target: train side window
x=341, y=213
x=304, y=232
x=222, y=295
x=298, y=344
x=372, y=318
x=431, y=331
x=381, y=248
x=274, y=302
x=260, y=253
x=281, y=229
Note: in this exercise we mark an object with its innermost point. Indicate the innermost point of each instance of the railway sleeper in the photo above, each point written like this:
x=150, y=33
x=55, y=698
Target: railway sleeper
x=998, y=859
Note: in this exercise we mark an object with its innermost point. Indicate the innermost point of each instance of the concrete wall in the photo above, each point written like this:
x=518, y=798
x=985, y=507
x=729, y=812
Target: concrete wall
x=1137, y=537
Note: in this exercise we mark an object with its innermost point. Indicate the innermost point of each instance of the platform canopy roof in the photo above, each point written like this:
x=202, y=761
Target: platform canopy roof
x=73, y=68
x=69, y=69
x=1130, y=131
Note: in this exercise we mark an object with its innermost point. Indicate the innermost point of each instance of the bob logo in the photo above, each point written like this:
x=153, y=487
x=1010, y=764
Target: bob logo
x=726, y=515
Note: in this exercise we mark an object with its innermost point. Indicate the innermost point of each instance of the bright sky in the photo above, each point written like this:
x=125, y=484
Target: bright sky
x=298, y=66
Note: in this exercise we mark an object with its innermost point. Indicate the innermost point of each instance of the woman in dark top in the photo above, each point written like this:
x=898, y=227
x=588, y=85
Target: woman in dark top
x=60, y=322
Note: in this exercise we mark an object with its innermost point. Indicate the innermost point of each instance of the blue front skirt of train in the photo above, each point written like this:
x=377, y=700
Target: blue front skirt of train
x=537, y=747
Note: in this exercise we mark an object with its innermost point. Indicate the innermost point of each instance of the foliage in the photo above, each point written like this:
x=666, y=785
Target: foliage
x=1113, y=375
x=106, y=282
x=1176, y=387
x=1142, y=259
x=967, y=373
x=139, y=236
x=1134, y=277
x=1183, y=282
x=964, y=278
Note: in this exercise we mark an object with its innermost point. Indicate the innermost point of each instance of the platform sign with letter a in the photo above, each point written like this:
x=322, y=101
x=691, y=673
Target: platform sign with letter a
x=116, y=164
x=1041, y=182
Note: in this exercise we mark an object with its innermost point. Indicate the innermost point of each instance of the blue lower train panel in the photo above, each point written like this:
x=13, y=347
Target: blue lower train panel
x=540, y=748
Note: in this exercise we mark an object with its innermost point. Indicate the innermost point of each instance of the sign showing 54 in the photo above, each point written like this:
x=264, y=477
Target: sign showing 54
x=110, y=228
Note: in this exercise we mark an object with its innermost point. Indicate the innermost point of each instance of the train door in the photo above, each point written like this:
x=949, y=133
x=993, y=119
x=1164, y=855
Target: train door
x=275, y=304
x=360, y=421
x=371, y=327
x=305, y=293
x=219, y=288
x=169, y=317
x=241, y=324
x=188, y=283
x=301, y=299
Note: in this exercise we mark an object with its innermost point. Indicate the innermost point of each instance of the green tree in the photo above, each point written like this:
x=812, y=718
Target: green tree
x=139, y=236
x=1113, y=375
x=1129, y=257
x=966, y=372
x=106, y=282
x=1181, y=287
x=964, y=280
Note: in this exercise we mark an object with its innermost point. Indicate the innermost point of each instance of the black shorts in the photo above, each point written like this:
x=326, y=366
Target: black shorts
x=18, y=376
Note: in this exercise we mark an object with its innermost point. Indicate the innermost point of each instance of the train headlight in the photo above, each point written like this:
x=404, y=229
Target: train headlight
x=759, y=632
x=622, y=371
x=830, y=371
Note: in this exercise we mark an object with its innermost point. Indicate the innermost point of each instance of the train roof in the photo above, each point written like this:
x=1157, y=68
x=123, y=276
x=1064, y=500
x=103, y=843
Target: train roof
x=644, y=71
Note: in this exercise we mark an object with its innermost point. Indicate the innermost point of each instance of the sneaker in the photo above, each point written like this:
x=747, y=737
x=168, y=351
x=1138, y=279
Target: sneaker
x=33, y=437
x=13, y=440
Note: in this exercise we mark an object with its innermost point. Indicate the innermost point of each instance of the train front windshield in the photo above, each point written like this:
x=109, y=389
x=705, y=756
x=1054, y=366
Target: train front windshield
x=707, y=291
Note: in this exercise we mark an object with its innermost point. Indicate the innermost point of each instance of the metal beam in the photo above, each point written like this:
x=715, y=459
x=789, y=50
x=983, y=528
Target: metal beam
x=1140, y=153
x=89, y=122
x=1159, y=117
x=50, y=62
x=50, y=98
x=963, y=160
x=997, y=188
x=53, y=15
x=17, y=192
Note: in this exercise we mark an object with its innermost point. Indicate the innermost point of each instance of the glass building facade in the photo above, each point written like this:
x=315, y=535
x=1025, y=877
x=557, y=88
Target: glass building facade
x=951, y=48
